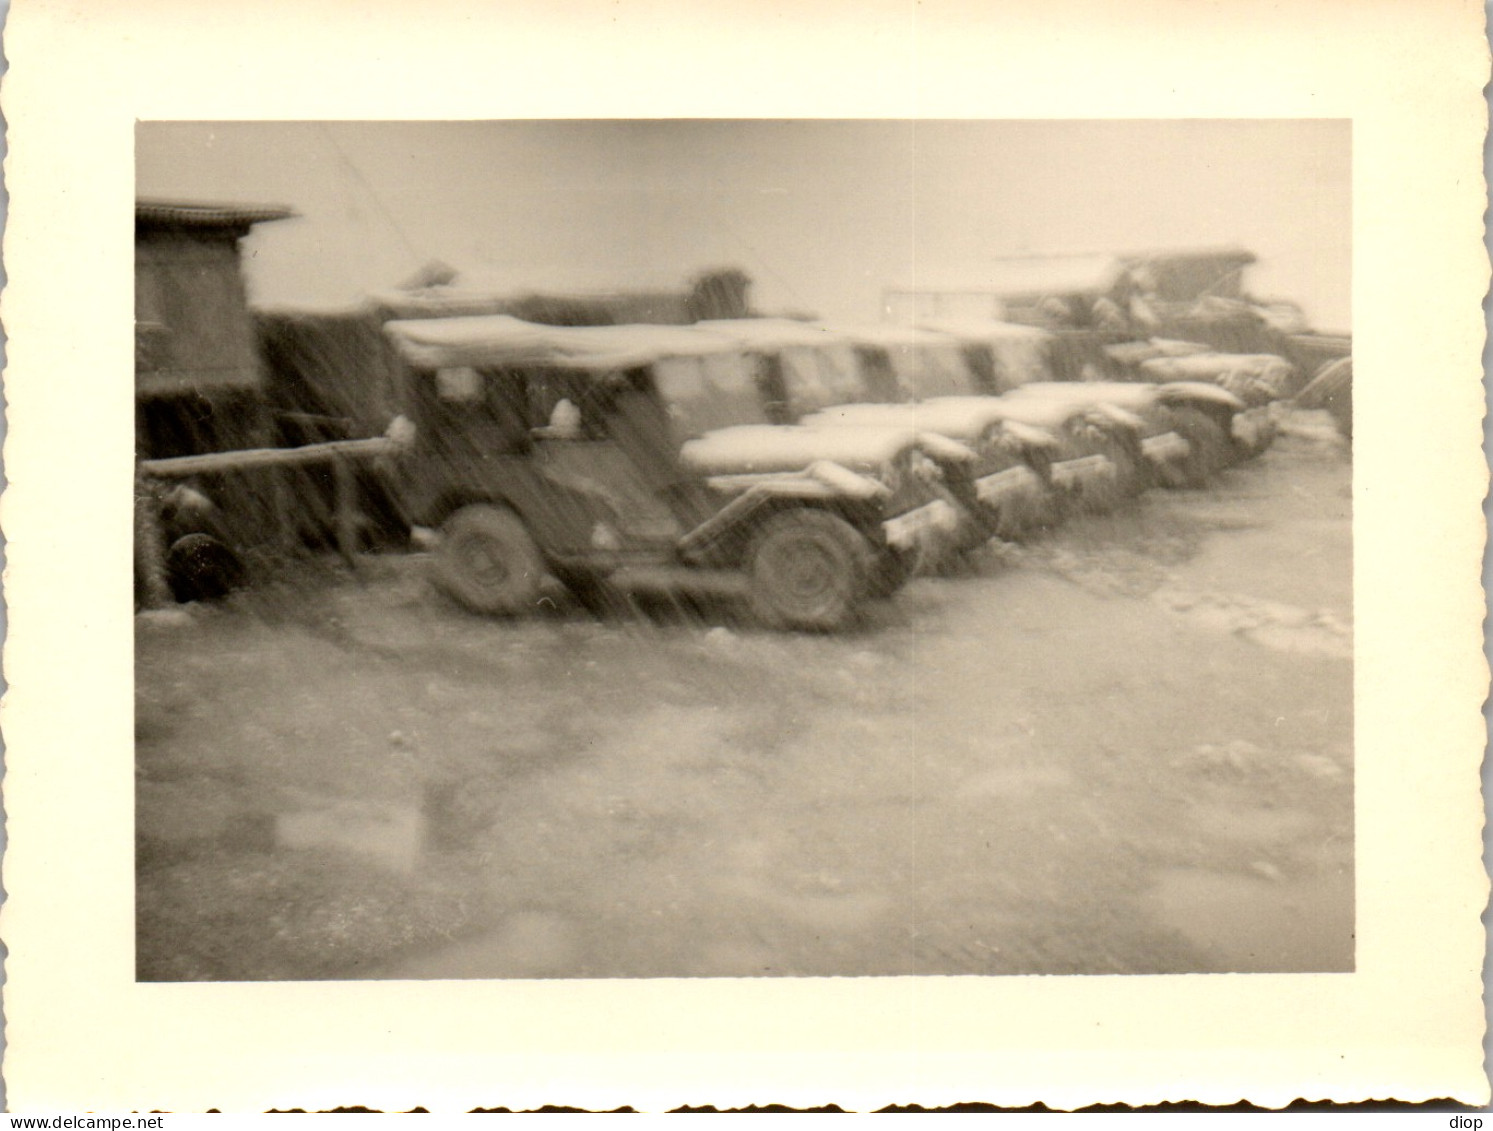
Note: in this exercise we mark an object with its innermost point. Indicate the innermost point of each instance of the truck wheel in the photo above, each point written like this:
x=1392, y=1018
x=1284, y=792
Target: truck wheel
x=1208, y=443
x=487, y=561
x=808, y=569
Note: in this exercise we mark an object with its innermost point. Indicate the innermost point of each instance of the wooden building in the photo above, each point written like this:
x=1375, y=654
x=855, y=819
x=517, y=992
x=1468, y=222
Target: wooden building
x=199, y=383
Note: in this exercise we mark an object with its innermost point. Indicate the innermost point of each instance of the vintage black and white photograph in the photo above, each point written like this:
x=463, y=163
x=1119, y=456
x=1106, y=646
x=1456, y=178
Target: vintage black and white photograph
x=630, y=549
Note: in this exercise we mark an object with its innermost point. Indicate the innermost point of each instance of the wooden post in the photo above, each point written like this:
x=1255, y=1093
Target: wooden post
x=345, y=512
x=150, y=544
x=284, y=508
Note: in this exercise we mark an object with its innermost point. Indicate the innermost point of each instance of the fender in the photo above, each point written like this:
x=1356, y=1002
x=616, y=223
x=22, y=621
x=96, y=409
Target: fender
x=821, y=484
x=1030, y=436
x=1184, y=392
x=1121, y=416
x=945, y=449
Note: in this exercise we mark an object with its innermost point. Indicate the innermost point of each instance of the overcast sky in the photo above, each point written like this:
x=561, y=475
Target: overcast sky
x=822, y=215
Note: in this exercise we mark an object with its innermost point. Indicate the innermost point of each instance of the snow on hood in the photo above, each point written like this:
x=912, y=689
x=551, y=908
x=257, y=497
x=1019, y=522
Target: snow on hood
x=1181, y=392
x=958, y=419
x=1253, y=377
x=1050, y=413
x=1126, y=395
x=759, y=448
x=1210, y=366
x=963, y=419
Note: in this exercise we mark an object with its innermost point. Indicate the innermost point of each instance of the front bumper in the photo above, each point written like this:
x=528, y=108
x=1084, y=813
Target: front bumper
x=1254, y=426
x=1009, y=484
x=1165, y=448
x=927, y=525
x=1083, y=472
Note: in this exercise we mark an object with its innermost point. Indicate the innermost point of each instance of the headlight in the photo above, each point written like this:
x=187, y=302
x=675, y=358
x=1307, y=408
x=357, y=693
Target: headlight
x=998, y=438
x=1090, y=430
x=923, y=468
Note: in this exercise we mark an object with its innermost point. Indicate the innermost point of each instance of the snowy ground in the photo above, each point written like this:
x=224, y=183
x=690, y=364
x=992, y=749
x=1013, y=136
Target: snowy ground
x=1126, y=749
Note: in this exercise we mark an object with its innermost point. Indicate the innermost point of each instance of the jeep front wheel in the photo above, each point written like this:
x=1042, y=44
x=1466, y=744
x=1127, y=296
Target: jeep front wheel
x=808, y=569
x=488, y=562
x=1208, y=445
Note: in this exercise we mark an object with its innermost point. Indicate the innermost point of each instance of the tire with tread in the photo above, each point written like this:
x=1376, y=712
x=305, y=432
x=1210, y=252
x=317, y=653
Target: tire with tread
x=808, y=569
x=487, y=561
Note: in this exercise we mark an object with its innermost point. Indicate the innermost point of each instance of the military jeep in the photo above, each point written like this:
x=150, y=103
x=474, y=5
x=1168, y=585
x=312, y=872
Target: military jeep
x=583, y=452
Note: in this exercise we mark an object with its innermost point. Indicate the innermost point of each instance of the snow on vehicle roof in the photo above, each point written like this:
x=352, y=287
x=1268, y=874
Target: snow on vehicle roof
x=770, y=332
x=888, y=334
x=498, y=339
x=985, y=330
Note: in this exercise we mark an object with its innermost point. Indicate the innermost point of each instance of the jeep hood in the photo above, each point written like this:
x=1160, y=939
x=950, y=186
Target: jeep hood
x=1185, y=392
x=959, y=418
x=1050, y=413
x=760, y=448
x=1212, y=366
x=1122, y=394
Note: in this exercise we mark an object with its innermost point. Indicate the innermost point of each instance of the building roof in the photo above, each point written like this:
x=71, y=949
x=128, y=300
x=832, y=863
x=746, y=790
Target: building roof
x=183, y=214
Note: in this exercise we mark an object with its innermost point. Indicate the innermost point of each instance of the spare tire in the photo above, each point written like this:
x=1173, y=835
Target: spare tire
x=201, y=568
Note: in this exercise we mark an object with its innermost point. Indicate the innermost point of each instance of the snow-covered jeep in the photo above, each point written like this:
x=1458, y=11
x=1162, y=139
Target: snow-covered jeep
x=1178, y=432
x=1035, y=458
x=580, y=451
x=1260, y=381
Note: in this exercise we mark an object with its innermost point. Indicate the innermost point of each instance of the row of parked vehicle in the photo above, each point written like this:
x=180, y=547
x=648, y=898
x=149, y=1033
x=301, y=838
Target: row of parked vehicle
x=824, y=464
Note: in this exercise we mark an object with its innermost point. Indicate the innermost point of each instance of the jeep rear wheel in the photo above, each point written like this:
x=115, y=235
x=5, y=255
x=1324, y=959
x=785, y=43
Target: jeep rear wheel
x=488, y=562
x=808, y=569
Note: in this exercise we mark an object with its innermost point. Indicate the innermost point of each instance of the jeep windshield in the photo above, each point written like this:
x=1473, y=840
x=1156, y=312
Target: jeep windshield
x=712, y=391
x=805, y=367
x=904, y=363
x=504, y=367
